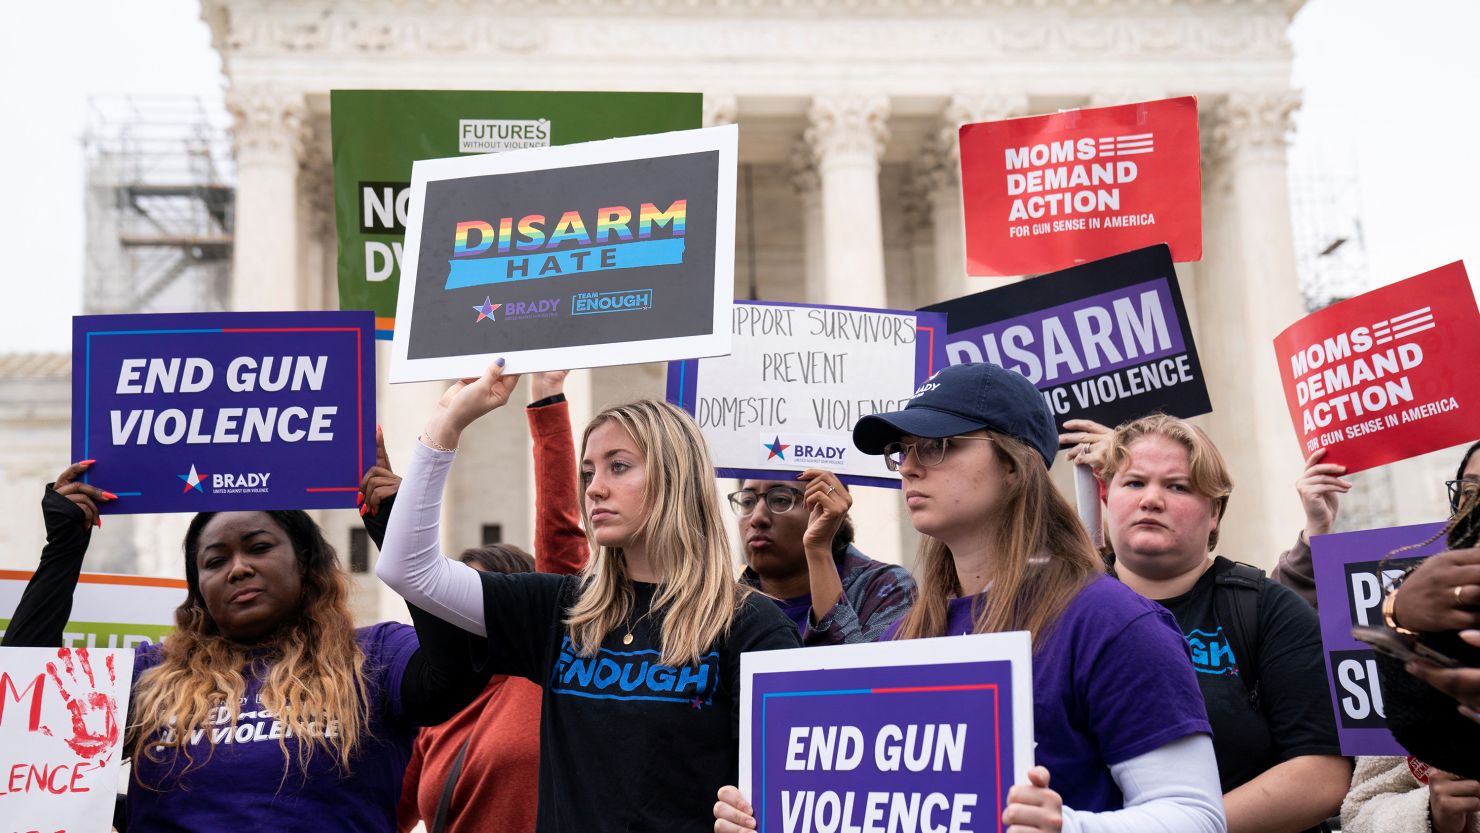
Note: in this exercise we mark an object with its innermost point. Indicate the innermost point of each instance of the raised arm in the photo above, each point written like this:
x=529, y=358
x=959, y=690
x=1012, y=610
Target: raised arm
x=411, y=562
x=560, y=544
x=69, y=512
x=1320, y=488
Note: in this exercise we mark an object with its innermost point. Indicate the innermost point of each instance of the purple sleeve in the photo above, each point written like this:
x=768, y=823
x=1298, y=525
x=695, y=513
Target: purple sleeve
x=388, y=649
x=1140, y=692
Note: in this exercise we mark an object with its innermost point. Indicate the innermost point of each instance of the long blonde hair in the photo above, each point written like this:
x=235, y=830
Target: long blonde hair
x=1208, y=473
x=314, y=682
x=685, y=538
x=1042, y=557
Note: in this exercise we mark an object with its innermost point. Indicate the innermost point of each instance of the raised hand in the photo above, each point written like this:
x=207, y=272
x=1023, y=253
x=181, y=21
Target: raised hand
x=70, y=486
x=1033, y=807
x=1320, y=488
x=1088, y=442
x=546, y=384
x=826, y=502
x=93, y=709
x=466, y=401
x=379, y=482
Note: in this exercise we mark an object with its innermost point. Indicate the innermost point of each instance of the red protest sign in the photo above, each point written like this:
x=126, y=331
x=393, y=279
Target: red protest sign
x=1386, y=375
x=1048, y=192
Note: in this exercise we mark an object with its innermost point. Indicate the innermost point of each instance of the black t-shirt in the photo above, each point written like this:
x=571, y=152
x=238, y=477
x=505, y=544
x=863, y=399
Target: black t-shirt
x=1295, y=716
x=626, y=744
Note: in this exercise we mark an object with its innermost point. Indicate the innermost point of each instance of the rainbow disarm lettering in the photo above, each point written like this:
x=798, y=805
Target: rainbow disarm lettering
x=534, y=232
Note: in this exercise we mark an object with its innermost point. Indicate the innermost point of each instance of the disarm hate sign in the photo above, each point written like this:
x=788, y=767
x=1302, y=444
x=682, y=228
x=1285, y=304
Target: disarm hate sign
x=62, y=715
x=587, y=255
x=224, y=411
x=798, y=378
x=1047, y=192
x=1386, y=375
x=1107, y=341
x=914, y=736
x=1350, y=580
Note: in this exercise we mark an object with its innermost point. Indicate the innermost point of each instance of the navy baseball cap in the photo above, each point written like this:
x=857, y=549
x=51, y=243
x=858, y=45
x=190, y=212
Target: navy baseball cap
x=963, y=398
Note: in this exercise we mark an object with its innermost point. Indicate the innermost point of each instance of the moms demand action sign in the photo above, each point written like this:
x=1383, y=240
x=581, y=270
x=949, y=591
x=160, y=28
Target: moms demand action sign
x=797, y=379
x=62, y=712
x=906, y=737
x=1106, y=341
x=224, y=411
x=1386, y=375
x=379, y=133
x=1350, y=580
x=1047, y=192
x=586, y=255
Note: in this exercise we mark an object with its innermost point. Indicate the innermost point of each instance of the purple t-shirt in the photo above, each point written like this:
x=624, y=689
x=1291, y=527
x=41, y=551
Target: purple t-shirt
x=1111, y=681
x=797, y=610
x=241, y=784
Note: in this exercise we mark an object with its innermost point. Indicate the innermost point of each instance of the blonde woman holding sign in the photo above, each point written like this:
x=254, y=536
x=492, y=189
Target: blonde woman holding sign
x=639, y=657
x=1122, y=740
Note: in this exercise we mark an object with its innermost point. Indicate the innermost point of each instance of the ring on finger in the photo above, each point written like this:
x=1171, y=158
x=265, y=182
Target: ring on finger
x=830, y=491
x=1458, y=589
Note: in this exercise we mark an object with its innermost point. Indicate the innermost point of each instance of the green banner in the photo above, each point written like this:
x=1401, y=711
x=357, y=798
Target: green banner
x=379, y=133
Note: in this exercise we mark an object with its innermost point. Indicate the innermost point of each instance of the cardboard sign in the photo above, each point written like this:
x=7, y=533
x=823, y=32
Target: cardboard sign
x=797, y=379
x=1386, y=375
x=1349, y=589
x=1107, y=341
x=935, y=730
x=377, y=134
x=604, y=253
x=205, y=412
x=108, y=611
x=62, y=715
x=1047, y=192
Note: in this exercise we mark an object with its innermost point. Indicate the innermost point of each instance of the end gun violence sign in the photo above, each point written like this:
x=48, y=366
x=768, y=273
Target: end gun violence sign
x=62, y=712
x=918, y=736
x=1386, y=375
x=1350, y=583
x=1107, y=341
x=378, y=134
x=797, y=379
x=200, y=412
x=1046, y=192
x=588, y=255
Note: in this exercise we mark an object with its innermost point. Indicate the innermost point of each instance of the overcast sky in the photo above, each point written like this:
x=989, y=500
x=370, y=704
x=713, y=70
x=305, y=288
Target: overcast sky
x=1390, y=85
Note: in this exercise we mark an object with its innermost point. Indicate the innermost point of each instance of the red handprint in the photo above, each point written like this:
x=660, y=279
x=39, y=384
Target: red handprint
x=94, y=712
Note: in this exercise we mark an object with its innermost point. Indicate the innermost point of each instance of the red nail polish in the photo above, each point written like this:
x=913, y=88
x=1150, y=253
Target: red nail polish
x=374, y=511
x=86, y=462
x=359, y=498
x=100, y=521
x=110, y=496
x=362, y=510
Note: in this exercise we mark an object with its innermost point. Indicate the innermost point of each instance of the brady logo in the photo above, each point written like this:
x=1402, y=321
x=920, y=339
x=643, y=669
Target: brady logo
x=240, y=483
x=926, y=388
x=593, y=303
x=522, y=310
x=494, y=135
x=819, y=453
x=634, y=675
x=804, y=450
x=193, y=480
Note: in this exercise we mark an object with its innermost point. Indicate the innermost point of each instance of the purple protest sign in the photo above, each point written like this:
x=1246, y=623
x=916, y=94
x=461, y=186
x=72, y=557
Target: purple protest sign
x=797, y=379
x=917, y=735
x=1350, y=582
x=1107, y=341
x=224, y=411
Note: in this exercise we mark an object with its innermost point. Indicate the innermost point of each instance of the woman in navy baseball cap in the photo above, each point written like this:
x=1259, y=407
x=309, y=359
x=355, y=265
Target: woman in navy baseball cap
x=1118, y=719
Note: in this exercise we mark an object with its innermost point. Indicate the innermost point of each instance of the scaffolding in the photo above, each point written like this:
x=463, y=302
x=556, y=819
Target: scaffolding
x=160, y=204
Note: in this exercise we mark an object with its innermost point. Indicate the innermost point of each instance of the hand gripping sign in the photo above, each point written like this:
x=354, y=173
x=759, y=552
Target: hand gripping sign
x=797, y=379
x=224, y=411
x=1386, y=375
x=919, y=735
x=1047, y=192
x=1350, y=583
x=61, y=715
x=613, y=252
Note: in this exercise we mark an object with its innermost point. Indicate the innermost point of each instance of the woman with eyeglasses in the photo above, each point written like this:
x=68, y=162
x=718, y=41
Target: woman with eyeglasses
x=639, y=656
x=1121, y=736
x=799, y=551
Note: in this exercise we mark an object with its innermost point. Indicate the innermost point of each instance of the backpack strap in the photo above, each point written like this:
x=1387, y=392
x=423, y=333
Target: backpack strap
x=1238, y=595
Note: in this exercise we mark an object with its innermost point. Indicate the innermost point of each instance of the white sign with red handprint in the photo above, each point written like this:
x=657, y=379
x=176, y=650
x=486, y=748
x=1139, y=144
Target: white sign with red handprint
x=62, y=712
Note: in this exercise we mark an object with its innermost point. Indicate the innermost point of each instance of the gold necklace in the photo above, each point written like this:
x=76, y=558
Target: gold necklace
x=632, y=626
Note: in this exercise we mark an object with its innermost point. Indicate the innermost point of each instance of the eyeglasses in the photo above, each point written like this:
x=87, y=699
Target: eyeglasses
x=779, y=500
x=928, y=451
x=1458, y=489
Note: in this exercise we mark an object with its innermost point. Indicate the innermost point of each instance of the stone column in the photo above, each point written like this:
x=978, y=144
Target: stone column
x=720, y=108
x=846, y=134
x=942, y=172
x=808, y=186
x=1248, y=292
x=268, y=128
